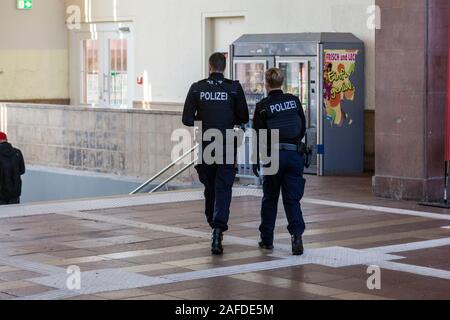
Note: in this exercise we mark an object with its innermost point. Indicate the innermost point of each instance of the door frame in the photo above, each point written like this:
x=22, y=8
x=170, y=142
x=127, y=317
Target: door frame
x=318, y=92
x=206, y=35
x=76, y=50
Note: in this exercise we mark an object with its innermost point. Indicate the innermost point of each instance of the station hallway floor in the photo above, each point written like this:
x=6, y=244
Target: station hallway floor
x=157, y=247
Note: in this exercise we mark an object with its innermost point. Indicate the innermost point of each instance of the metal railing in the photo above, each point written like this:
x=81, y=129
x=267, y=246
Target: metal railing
x=244, y=170
x=163, y=171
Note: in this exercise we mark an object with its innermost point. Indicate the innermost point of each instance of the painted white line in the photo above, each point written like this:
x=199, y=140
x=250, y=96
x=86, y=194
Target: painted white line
x=108, y=280
x=31, y=266
x=100, y=281
x=109, y=203
x=285, y=248
x=413, y=246
x=97, y=204
x=335, y=257
x=137, y=224
x=181, y=196
x=168, y=229
x=423, y=271
x=356, y=206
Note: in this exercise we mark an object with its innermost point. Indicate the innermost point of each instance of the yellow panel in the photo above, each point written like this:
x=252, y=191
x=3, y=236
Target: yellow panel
x=34, y=74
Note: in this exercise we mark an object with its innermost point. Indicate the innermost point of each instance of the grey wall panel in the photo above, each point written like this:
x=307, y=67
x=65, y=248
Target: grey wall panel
x=48, y=186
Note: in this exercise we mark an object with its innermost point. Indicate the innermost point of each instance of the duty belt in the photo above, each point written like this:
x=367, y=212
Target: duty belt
x=288, y=147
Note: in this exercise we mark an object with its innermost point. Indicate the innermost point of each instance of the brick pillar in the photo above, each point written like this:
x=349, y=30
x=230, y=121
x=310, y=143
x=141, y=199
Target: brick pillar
x=411, y=72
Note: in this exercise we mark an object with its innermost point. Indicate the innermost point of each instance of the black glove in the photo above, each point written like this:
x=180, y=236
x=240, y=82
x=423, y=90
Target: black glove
x=256, y=170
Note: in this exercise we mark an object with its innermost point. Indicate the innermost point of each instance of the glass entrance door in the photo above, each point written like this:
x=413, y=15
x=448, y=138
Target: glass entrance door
x=117, y=93
x=251, y=73
x=90, y=72
x=299, y=82
x=105, y=68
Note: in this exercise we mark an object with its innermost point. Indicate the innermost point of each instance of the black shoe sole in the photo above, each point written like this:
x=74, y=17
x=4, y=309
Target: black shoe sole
x=297, y=253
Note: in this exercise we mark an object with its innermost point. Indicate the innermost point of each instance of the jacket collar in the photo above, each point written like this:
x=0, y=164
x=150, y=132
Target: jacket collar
x=217, y=76
x=275, y=92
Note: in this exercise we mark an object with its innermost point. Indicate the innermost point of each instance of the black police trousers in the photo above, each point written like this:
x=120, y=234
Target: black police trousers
x=289, y=180
x=218, y=180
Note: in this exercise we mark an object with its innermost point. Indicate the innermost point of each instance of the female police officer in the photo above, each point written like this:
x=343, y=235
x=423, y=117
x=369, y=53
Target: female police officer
x=283, y=112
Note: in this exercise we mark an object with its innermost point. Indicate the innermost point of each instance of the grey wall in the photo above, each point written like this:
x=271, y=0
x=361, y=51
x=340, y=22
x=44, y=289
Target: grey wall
x=39, y=185
x=130, y=143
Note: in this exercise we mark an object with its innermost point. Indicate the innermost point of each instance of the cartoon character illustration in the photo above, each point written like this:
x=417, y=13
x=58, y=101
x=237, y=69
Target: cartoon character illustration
x=338, y=86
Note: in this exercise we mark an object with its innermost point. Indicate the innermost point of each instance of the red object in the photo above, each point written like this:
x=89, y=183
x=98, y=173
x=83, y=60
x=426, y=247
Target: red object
x=3, y=136
x=447, y=136
x=140, y=80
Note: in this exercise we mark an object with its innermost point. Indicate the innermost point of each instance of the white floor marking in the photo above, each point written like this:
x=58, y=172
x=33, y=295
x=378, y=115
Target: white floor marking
x=181, y=196
x=100, y=281
x=110, y=280
x=97, y=204
x=109, y=203
x=413, y=246
x=335, y=257
x=356, y=206
x=36, y=267
x=407, y=268
x=162, y=228
x=137, y=224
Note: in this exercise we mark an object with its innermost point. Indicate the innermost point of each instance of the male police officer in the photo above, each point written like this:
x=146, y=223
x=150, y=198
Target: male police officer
x=282, y=112
x=220, y=104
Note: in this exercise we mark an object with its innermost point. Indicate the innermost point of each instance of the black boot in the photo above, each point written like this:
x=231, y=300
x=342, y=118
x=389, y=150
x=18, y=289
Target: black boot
x=265, y=246
x=297, y=246
x=216, y=247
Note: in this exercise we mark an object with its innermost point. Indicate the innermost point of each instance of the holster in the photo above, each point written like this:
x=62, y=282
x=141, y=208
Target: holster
x=305, y=152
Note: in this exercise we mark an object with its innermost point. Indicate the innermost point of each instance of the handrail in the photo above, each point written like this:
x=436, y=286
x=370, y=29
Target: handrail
x=176, y=174
x=170, y=166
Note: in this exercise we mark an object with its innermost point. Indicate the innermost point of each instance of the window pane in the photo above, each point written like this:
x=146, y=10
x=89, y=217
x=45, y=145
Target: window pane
x=296, y=83
x=251, y=76
x=119, y=65
x=90, y=77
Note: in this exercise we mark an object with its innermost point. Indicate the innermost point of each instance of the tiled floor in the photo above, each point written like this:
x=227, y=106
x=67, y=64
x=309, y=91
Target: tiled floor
x=157, y=247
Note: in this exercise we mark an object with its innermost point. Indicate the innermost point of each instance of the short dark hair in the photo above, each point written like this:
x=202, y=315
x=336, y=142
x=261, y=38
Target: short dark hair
x=218, y=62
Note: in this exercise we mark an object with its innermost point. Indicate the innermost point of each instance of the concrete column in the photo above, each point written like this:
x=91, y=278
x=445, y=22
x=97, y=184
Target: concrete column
x=411, y=71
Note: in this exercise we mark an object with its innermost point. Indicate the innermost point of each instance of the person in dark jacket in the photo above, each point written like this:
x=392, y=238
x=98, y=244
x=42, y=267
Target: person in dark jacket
x=12, y=167
x=282, y=112
x=218, y=103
